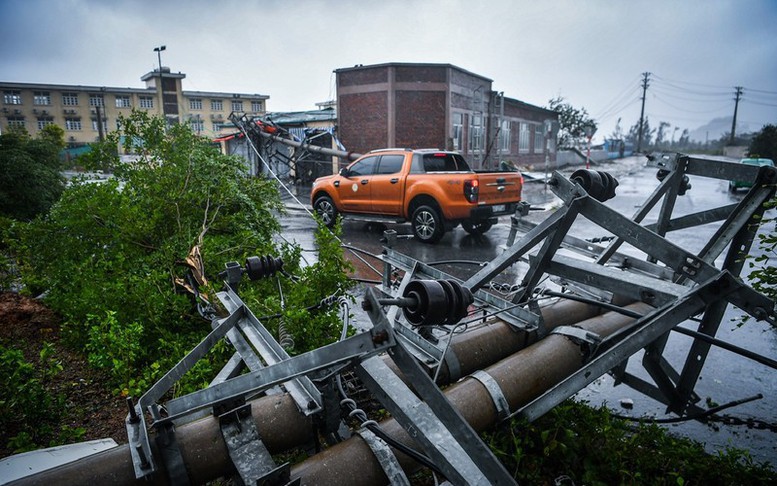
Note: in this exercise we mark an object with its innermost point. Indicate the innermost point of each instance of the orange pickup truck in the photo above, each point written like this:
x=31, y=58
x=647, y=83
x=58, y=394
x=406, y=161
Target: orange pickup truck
x=432, y=189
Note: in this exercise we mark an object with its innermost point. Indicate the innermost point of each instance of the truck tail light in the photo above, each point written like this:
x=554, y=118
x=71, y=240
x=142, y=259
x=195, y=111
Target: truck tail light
x=471, y=189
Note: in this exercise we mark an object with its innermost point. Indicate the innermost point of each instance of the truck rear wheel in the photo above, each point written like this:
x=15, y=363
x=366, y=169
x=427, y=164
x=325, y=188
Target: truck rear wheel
x=428, y=225
x=326, y=210
x=476, y=227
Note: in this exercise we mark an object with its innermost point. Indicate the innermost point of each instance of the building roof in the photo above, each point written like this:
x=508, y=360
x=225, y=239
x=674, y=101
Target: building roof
x=529, y=105
x=295, y=117
x=73, y=87
x=222, y=94
x=165, y=74
x=412, y=64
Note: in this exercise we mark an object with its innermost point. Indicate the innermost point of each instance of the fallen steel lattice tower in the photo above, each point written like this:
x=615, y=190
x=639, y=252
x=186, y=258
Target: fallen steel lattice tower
x=516, y=358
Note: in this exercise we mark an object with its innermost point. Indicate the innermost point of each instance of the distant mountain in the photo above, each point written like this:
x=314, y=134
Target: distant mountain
x=716, y=128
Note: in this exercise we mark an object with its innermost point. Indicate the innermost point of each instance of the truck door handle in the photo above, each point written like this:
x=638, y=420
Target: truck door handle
x=365, y=181
x=394, y=180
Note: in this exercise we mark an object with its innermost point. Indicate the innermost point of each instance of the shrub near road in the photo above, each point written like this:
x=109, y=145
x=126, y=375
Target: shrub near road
x=108, y=254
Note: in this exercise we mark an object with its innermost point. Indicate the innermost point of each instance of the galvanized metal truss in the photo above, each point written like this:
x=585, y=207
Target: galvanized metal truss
x=681, y=286
x=268, y=139
x=676, y=283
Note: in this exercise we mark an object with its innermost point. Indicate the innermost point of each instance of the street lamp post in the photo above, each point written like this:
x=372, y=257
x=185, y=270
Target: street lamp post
x=158, y=51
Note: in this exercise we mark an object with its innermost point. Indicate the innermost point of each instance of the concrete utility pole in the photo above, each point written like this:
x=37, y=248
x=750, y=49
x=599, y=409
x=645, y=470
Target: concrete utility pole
x=738, y=96
x=645, y=84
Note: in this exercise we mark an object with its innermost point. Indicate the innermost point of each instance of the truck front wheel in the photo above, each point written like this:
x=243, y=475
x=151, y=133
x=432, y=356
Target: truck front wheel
x=476, y=227
x=326, y=210
x=427, y=224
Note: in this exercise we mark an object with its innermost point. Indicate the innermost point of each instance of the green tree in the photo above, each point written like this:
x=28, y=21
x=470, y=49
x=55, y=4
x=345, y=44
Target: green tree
x=661, y=135
x=572, y=122
x=647, y=134
x=109, y=254
x=764, y=143
x=30, y=182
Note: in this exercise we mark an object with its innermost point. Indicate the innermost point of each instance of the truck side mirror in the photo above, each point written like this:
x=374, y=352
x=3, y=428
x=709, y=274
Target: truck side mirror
x=344, y=172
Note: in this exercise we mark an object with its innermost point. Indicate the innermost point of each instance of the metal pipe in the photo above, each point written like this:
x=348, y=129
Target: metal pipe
x=521, y=377
x=280, y=424
x=278, y=420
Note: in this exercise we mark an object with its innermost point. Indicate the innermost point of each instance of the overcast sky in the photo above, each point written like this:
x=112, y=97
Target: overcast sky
x=592, y=53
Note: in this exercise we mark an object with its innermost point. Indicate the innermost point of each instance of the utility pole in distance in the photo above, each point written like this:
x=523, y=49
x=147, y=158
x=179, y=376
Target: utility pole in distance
x=738, y=96
x=645, y=84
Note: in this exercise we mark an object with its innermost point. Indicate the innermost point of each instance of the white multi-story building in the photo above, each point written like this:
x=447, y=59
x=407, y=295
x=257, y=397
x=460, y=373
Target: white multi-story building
x=78, y=109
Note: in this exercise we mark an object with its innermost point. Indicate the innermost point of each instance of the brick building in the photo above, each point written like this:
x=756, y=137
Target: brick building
x=440, y=106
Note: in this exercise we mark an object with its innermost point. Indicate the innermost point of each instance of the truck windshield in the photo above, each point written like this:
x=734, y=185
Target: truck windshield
x=444, y=162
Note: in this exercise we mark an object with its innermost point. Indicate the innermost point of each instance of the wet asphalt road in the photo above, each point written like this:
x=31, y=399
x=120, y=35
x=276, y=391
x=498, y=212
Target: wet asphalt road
x=725, y=376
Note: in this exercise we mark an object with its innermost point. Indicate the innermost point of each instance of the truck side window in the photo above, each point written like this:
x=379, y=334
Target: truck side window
x=390, y=164
x=363, y=167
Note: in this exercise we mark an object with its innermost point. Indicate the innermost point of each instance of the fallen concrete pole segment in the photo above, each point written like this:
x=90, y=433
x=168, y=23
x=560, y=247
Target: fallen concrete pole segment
x=278, y=420
x=522, y=377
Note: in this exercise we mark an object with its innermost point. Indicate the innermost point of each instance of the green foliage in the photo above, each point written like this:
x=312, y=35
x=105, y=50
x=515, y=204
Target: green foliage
x=572, y=122
x=109, y=254
x=28, y=411
x=114, y=346
x=764, y=143
x=647, y=134
x=589, y=446
x=763, y=273
x=30, y=182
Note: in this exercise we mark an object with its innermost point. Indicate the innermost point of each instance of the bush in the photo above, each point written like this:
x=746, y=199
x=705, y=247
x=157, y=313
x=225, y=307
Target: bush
x=109, y=254
x=30, y=182
x=576, y=444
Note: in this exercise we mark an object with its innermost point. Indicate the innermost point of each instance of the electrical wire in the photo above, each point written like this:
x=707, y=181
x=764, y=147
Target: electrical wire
x=697, y=416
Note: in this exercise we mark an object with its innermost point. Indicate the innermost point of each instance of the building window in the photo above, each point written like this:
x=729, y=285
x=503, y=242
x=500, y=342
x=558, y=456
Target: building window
x=237, y=105
x=96, y=128
x=41, y=98
x=73, y=124
x=257, y=106
x=70, y=99
x=523, y=138
x=146, y=102
x=216, y=105
x=15, y=122
x=476, y=133
x=195, y=104
x=44, y=121
x=96, y=100
x=123, y=102
x=504, y=136
x=458, y=130
x=12, y=97
x=197, y=125
x=539, y=139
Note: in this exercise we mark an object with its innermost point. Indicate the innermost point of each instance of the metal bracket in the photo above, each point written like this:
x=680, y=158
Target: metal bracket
x=493, y=389
x=385, y=456
x=247, y=451
x=588, y=341
x=171, y=455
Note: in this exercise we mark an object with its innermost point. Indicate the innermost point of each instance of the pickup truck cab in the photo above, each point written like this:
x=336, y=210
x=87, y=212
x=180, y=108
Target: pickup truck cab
x=434, y=190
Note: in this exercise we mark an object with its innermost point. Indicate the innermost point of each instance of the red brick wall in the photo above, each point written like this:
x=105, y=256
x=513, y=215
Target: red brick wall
x=363, y=121
x=420, y=119
x=428, y=74
x=363, y=76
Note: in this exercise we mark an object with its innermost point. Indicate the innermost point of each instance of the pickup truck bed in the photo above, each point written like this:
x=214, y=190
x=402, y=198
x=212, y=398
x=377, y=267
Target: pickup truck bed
x=434, y=190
